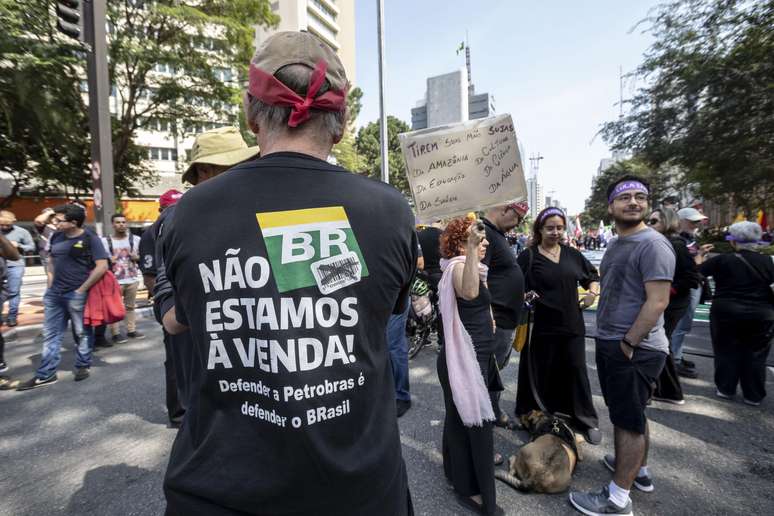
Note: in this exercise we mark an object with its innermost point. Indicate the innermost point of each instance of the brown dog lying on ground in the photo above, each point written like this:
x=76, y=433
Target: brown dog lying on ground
x=546, y=464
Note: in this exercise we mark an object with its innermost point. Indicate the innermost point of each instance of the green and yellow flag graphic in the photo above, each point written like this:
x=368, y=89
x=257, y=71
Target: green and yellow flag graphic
x=314, y=246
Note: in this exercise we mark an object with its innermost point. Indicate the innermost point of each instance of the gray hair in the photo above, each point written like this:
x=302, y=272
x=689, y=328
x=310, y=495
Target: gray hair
x=275, y=118
x=750, y=232
x=670, y=220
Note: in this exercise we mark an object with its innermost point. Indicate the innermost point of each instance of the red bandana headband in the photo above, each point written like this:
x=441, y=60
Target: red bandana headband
x=267, y=88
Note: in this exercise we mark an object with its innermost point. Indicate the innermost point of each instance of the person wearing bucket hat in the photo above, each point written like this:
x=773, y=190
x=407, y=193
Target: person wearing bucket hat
x=285, y=272
x=216, y=151
x=213, y=153
x=22, y=240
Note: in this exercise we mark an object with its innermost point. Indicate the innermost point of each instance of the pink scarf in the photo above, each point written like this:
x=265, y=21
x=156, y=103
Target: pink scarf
x=471, y=397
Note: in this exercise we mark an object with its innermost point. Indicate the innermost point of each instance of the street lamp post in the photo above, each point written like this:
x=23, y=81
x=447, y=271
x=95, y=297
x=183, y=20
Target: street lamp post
x=382, y=114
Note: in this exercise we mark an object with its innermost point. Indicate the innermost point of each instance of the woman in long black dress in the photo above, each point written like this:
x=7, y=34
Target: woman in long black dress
x=467, y=368
x=558, y=346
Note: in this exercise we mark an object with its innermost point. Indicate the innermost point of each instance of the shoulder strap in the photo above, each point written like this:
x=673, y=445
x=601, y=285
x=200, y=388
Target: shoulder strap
x=529, y=264
x=755, y=271
x=86, y=236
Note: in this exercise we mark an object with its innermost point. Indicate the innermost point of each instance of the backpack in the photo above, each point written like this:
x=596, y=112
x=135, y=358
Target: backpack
x=133, y=239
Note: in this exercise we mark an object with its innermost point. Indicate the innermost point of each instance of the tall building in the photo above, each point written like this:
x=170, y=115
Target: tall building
x=535, y=196
x=332, y=21
x=451, y=98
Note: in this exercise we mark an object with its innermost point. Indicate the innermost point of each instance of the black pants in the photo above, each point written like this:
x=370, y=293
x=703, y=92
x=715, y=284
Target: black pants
x=2, y=348
x=741, y=349
x=175, y=374
x=468, y=452
x=561, y=379
x=668, y=384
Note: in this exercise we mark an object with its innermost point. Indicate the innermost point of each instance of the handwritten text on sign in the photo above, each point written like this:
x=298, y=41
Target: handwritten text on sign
x=463, y=167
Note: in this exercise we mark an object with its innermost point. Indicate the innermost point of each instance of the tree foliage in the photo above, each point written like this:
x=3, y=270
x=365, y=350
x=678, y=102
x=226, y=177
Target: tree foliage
x=180, y=62
x=176, y=61
x=662, y=186
x=369, y=151
x=707, y=106
x=344, y=151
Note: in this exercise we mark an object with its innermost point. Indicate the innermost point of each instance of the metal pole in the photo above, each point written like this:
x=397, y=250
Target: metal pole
x=99, y=116
x=382, y=114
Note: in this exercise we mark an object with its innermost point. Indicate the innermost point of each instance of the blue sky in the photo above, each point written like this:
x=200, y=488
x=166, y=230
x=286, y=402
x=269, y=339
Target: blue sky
x=552, y=65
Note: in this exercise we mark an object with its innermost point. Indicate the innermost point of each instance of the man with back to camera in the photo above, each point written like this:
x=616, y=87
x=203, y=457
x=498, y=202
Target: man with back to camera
x=287, y=291
x=632, y=347
x=213, y=152
x=506, y=284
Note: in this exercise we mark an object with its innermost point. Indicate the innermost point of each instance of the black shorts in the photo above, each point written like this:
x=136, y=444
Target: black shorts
x=627, y=384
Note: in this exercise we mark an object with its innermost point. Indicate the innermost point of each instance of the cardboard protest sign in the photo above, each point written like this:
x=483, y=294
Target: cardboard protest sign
x=464, y=167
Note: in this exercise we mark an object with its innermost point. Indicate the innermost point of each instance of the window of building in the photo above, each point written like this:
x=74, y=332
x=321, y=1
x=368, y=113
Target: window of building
x=324, y=9
x=162, y=154
x=317, y=26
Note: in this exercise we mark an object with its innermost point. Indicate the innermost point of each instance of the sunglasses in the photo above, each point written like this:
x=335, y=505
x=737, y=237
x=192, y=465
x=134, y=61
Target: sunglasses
x=652, y=222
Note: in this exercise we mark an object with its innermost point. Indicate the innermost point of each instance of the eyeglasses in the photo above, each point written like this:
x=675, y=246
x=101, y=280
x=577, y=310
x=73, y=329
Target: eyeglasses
x=57, y=220
x=652, y=222
x=640, y=198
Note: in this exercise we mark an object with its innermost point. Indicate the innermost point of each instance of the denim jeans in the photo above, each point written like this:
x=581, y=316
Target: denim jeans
x=59, y=308
x=13, y=290
x=683, y=327
x=397, y=343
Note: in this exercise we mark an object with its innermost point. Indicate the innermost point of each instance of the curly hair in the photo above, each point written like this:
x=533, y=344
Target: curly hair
x=454, y=236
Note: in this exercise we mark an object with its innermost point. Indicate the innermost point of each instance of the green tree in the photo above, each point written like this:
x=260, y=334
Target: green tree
x=369, y=150
x=707, y=106
x=44, y=131
x=180, y=62
x=662, y=186
x=345, y=151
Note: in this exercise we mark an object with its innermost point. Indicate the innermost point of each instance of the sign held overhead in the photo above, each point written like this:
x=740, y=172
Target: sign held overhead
x=454, y=169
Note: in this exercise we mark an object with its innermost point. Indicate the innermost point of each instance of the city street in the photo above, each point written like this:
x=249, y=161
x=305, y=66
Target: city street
x=100, y=446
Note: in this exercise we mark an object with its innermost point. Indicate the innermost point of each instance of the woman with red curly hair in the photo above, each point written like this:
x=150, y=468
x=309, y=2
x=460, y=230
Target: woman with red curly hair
x=467, y=368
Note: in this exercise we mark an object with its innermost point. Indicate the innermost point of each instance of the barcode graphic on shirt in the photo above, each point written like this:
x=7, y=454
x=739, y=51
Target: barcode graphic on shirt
x=336, y=272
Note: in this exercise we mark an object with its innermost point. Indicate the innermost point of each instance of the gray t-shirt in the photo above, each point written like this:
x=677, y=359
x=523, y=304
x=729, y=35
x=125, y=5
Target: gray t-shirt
x=628, y=264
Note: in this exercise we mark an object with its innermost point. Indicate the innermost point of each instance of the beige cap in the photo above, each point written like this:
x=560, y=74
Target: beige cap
x=691, y=214
x=223, y=146
x=291, y=47
x=7, y=217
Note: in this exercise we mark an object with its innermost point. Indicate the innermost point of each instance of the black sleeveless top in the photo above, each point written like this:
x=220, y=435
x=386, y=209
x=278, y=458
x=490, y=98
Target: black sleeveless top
x=476, y=317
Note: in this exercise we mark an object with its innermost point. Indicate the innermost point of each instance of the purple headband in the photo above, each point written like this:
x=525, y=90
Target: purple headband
x=732, y=238
x=550, y=212
x=627, y=185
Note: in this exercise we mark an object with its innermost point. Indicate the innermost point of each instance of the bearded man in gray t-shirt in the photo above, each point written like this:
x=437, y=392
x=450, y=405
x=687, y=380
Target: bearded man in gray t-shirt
x=637, y=272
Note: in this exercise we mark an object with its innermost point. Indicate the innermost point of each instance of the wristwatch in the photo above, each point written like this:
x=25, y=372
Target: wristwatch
x=626, y=341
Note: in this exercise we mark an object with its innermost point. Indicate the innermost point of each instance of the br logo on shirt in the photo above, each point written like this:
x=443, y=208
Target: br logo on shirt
x=315, y=246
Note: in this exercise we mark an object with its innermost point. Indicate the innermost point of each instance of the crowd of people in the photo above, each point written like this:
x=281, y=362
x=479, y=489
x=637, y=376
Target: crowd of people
x=282, y=286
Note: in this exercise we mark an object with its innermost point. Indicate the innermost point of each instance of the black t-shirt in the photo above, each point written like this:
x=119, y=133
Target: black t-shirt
x=287, y=269
x=148, y=252
x=477, y=320
x=506, y=282
x=686, y=274
x=557, y=311
x=739, y=292
x=430, y=241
